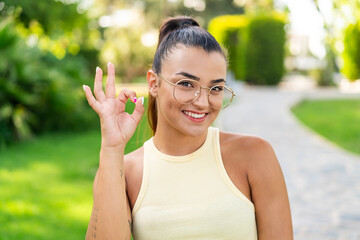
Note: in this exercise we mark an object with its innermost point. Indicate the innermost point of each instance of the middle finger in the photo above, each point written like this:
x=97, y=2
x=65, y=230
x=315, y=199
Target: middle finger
x=110, y=83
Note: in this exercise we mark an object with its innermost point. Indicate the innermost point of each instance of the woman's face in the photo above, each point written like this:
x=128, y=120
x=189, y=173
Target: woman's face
x=189, y=63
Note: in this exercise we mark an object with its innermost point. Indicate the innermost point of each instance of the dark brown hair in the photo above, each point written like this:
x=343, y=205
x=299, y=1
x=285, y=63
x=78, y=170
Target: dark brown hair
x=179, y=30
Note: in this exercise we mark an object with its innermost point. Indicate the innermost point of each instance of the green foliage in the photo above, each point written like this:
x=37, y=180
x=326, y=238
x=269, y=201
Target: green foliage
x=46, y=186
x=265, y=50
x=123, y=47
x=351, y=53
x=337, y=120
x=230, y=31
x=346, y=12
x=52, y=26
x=203, y=11
x=55, y=17
x=46, y=183
x=143, y=131
x=219, y=26
x=37, y=91
x=255, y=45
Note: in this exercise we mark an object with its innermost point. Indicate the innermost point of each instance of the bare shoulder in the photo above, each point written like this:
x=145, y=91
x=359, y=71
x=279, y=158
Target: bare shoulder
x=266, y=182
x=255, y=154
x=255, y=148
x=134, y=156
x=133, y=159
x=133, y=164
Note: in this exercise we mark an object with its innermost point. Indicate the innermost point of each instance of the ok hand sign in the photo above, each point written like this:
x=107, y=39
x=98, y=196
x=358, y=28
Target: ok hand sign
x=117, y=126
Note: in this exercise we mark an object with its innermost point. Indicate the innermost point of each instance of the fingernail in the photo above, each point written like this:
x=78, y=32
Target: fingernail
x=84, y=87
x=97, y=68
x=135, y=99
x=142, y=101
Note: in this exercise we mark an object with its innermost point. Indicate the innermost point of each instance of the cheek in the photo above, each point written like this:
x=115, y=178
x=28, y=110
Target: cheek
x=214, y=115
x=165, y=98
x=167, y=103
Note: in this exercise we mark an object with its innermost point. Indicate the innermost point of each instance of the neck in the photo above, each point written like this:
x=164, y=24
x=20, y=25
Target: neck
x=180, y=144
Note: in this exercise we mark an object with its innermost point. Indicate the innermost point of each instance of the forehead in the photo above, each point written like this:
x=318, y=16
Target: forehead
x=195, y=61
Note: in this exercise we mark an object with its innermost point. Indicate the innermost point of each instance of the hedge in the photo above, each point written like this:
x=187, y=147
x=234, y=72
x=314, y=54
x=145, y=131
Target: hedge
x=265, y=50
x=351, y=54
x=230, y=31
x=255, y=45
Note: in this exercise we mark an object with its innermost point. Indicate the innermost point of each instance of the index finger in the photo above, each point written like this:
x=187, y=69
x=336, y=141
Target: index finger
x=125, y=94
x=98, y=90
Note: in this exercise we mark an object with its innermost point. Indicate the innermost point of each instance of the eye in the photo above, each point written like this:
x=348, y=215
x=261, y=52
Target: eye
x=186, y=83
x=217, y=89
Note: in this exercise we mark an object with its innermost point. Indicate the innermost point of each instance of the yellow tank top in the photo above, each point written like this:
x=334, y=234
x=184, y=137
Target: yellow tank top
x=190, y=197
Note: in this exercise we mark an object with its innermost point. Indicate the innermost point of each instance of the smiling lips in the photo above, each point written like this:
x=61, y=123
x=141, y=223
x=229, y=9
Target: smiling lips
x=195, y=116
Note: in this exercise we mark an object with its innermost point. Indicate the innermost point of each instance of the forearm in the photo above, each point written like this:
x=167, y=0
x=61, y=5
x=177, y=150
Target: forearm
x=110, y=218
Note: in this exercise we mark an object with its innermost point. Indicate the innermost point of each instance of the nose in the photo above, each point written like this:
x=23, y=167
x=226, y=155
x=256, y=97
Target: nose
x=202, y=99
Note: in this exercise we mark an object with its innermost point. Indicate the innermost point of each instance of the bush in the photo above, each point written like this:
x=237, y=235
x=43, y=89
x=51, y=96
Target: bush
x=265, y=50
x=255, y=45
x=38, y=92
x=230, y=31
x=351, y=53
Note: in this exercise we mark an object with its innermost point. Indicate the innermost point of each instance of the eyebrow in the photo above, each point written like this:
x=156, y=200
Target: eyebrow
x=188, y=75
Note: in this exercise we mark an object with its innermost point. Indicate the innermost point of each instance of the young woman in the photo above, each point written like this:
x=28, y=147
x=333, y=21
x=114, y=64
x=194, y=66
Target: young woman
x=190, y=180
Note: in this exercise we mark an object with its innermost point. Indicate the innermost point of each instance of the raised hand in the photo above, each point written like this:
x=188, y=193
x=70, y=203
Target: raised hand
x=117, y=126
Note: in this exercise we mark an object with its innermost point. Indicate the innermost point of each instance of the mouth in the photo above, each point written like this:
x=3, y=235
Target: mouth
x=195, y=116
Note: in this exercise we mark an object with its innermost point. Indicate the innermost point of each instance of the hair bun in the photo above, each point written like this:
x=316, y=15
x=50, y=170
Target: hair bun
x=187, y=22
x=175, y=23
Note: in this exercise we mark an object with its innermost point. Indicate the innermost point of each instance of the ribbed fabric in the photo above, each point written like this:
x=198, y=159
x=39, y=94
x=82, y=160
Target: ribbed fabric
x=190, y=197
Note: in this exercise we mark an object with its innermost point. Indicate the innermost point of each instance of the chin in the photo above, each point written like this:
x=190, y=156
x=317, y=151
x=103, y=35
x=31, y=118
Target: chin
x=196, y=131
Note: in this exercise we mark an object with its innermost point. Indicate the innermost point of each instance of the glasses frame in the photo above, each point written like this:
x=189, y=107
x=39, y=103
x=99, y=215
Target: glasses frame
x=199, y=92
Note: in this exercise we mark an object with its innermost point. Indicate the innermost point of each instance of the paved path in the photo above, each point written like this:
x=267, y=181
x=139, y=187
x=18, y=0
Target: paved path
x=323, y=181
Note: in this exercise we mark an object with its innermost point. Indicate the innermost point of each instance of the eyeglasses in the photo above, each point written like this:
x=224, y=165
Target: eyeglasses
x=187, y=91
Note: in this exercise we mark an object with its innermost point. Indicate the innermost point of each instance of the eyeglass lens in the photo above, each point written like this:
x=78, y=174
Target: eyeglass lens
x=187, y=91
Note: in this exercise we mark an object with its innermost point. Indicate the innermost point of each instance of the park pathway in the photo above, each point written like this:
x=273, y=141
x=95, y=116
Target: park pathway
x=323, y=180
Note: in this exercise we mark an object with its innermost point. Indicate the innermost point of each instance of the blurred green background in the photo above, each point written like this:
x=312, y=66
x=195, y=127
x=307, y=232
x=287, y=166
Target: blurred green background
x=49, y=136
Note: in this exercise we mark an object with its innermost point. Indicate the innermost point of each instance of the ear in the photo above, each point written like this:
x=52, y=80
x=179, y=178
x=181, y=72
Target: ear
x=152, y=82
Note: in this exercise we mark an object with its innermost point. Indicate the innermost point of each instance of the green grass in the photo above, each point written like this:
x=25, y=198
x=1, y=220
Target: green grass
x=336, y=120
x=46, y=184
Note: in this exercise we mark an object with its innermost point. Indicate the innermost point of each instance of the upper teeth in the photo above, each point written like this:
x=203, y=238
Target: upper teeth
x=194, y=115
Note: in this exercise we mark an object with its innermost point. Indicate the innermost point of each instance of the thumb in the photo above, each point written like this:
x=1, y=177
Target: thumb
x=139, y=109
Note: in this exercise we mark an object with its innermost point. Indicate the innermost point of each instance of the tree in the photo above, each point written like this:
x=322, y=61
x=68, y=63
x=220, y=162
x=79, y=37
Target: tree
x=60, y=25
x=42, y=68
x=345, y=12
x=130, y=43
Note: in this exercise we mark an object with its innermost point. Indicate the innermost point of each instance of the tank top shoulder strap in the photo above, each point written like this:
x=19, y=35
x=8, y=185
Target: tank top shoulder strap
x=221, y=167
